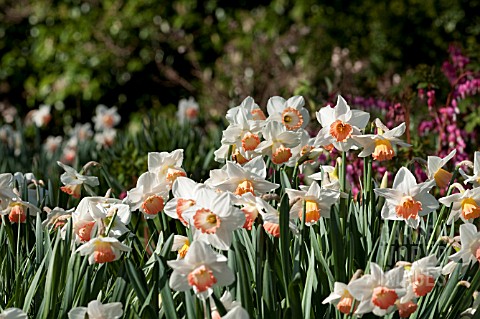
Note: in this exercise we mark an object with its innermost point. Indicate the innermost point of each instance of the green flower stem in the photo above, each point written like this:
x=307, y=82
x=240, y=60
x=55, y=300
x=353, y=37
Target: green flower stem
x=343, y=201
x=389, y=244
x=442, y=211
x=343, y=169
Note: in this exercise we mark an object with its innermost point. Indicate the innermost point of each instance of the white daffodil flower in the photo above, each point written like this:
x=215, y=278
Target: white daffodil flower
x=148, y=196
x=13, y=313
x=406, y=200
x=307, y=145
x=470, y=245
x=380, y=145
x=52, y=144
x=17, y=210
x=73, y=181
x=97, y=310
x=340, y=123
x=236, y=312
x=379, y=291
x=184, y=192
x=435, y=170
x=249, y=178
x=181, y=244
x=420, y=278
x=115, y=217
x=470, y=312
x=341, y=298
x=405, y=309
x=105, y=138
x=252, y=206
x=228, y=304
x=200, y=270
x=6, y=190
x=248, y=104
x=278, y=142
x=94, y=214
x=475, y=178
x=244, y=132
x=328, y=176
x=82, y=132
x=290, y=113
x=317, y=202
x=57, y=217
x=271, y=219
x=187, y=111
x=102, y=250
x=167, y=166
x=217, y=176
x=465, y=205
x=42, y=116
x=214, y=218
x=105, y=118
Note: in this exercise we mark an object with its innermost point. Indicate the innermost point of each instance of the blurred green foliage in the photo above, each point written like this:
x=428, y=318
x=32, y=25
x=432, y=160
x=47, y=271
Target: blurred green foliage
x=139, y=54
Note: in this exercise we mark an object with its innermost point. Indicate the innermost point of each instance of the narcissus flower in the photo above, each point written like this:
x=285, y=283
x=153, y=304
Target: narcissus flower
x=105, y=138
x=278, y=142
x=244, y=132
x=73, y=181
x=13, y=313
x=42, y=116
x=406, y=309
x=470, y=245
x=436, y=172
x=6, y=191
x=105, y=118
x=184, y=191
x=465, y=205
x=380, y=145
x=57, y=217
x=407, y=200
x=253, y=110
x=341, y=298
x=271, y=220
x=148, y=196
x=475, y=178
x=17, y=210
x=247, y=179
x=236, y=312
x=379, y=291
x=328, y=176
x=317, y=202
x=290, y=113
x=97, y=310
x=420, y=277
x=214, y=218
x=200, y=270
x=187, y=110
x=340, y=123
x=102, y=250
x=230, y=305
x=252, y=206
x=93, y=215
x=52, y=144
x=166, y=165
x=181, y=244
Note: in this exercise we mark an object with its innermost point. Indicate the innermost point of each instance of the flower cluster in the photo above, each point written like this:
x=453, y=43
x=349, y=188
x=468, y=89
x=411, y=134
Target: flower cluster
x=385, y=292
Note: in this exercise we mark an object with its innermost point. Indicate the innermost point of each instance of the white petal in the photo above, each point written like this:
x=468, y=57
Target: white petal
x=404, y=181
x=77, y=313
x=275, y=104
x=359, y=119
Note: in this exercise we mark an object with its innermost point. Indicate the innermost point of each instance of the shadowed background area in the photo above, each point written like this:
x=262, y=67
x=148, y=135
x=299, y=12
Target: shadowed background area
x=142, y=54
